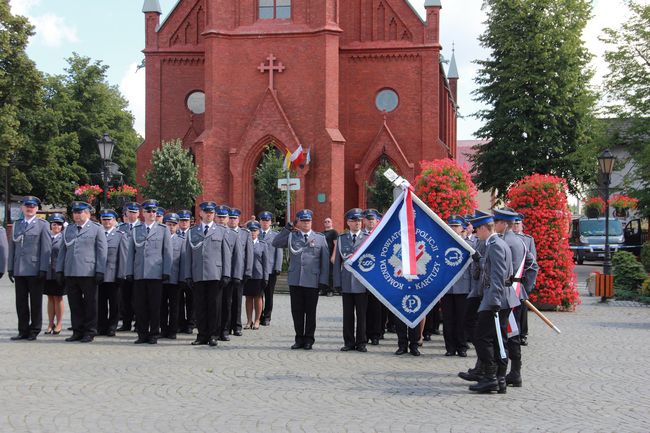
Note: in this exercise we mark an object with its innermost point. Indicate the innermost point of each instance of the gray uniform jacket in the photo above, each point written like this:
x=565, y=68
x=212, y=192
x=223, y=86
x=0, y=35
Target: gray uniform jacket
x=275, y=254
x=497, y=270
x=150, y=255
x=29, y=248
x=208, y=258
x=178, y=256
x=83, y=252
x=118, y=251
x=476, y=268
x=519, y=253
x=54, y=255
x=308, y=261
x=531, y=268
x=4, y=250
x=242, y=263
x=261, y=262
x=341, y=276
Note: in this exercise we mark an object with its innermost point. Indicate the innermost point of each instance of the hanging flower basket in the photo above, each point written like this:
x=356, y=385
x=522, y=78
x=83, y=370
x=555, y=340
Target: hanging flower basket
x=594, y=207
x=622, y=204
x=118, y=197
x=87, y=193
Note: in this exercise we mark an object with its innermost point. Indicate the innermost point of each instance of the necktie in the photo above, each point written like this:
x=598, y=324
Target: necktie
x=262, y=236
x=354, y=239
x=305, y=238
x=25, y=225
x=205, y=230
x=148, y=230
x=78, y=229
x=106, y=233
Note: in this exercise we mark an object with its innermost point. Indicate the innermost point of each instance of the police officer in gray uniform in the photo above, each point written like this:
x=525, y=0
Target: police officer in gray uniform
x=454, y=305
x=518, y=227
x=28, y=261
x=275, y=264
x=207, y=266
x=353, y=292
x=132, y=216
x=169, y=306
x=108, y=309
x=308, y=272
x=149, y=265
x=82, y=261
x=186, y=321
x=374, y=312
x=242, y=271
x=498, y=299
x=524, y=263
x=222, y=213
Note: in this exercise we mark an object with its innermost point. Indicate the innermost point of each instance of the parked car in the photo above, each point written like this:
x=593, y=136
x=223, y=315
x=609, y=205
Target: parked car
x=587, y=237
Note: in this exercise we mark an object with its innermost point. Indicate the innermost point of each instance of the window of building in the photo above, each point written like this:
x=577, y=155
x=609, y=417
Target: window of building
x=386, y=100
x=196, y=102
x=274, y=9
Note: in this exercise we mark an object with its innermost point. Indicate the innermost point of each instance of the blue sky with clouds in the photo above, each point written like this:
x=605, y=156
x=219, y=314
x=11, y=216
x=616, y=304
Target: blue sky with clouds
x=113, y=31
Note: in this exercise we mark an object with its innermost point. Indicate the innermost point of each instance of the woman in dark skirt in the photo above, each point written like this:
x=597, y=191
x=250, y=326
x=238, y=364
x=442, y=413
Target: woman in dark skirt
x=254, y=287
x=52, y=289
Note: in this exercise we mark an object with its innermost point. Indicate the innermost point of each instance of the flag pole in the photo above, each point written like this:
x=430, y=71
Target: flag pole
x=545, y=319
x=288, y=194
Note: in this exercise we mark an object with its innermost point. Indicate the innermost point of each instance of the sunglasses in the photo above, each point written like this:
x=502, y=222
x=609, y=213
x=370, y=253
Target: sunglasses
x=150, y=211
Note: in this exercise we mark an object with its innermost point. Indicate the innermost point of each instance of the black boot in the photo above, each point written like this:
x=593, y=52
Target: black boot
x=487, y=383
x=514, y=377
x=473, y=374
x=503, y=387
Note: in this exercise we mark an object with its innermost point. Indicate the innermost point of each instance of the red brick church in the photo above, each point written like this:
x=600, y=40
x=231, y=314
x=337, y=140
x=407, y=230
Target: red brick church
x=354, y=81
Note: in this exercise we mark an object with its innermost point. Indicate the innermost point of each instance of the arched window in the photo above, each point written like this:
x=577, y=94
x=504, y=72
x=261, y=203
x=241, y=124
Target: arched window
x=274, y=9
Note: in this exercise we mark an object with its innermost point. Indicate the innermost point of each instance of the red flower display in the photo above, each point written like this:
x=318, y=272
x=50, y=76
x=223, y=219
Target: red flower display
x=542, y=200
x=446, y=188
x=621, y=202
x=595, y=203
x=87, y=192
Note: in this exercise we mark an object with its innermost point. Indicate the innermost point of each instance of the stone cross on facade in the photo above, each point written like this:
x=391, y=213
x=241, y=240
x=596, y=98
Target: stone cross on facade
x=271, y=68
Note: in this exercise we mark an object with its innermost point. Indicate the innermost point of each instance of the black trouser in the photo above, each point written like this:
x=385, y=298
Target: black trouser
x=303, y=310
x=453, y=319
x=374, y=327
x=514, y=342
x=207, y=308
x=235, y=307
x=269, y=289
x=147, y=295
x=108, y=309
x=524, y=320
x=82, y=297
x=391, y=320
x=223, y=324
x=487, y=344
x=29, y=304
x=185, y=308
x=471, y=318
x=407, y=337
x=432, y=323
x=128, y=302
x=354, y=304
x=169, y=309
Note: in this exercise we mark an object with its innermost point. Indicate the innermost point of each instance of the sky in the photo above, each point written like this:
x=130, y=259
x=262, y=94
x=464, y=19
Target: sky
x=113, y=31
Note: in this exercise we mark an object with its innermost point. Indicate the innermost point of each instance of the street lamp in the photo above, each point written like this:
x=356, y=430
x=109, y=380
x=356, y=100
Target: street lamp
x=106, y=146
x=606, y=163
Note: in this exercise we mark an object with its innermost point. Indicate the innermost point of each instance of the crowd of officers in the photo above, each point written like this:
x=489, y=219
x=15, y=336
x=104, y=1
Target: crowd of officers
x=166, y=276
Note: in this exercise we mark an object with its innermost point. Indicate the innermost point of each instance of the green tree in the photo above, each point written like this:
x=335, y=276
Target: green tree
x=173, y=177
x=627, y=87
x=267, y=194
x=536, y=86
x=380, y=191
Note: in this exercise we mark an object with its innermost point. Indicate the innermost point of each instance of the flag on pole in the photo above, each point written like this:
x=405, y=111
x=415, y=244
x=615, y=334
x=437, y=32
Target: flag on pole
x=295, y=158
x=434, y=257
x=307, y=159
x=286, y=165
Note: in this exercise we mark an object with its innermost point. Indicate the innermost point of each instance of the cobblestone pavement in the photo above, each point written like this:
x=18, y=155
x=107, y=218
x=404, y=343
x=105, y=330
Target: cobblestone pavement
x=593, y=377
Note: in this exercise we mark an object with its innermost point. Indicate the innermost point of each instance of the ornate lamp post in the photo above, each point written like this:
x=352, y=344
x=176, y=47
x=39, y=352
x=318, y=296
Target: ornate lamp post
x=606, y=163
x=106, y=146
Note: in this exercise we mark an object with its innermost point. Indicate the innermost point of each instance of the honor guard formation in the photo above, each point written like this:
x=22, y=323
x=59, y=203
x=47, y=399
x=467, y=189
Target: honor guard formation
x=158, y=273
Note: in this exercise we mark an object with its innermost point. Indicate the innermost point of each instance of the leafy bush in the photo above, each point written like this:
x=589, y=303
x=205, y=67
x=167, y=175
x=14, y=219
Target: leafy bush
x=628, y=272
x=645, y=287
x=645, y=256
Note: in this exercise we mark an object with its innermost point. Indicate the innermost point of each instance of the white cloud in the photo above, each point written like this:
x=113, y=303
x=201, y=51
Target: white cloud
x=132, y=88
x=51, y=30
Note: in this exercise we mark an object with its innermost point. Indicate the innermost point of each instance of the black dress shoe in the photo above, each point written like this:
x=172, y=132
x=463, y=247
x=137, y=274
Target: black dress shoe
x=237, y=333
x=296, y=346
x=450, y=353
x=361, y=348
x=124, y=328
x=87, y=339
x=74, y=337
x=199, y=342
x=307, y=346
x=212, y=342
x=110, y=333
x=462, y=353
x=469, y=376
x=485, y=385
x=31, y=337
x=374, y=341
x=141, y=340
x=224, y=337
x=19, y=337
x=415, y=351
x=152, y=340
x=265, y=322
x=401, y=351
x=347, y=348
x=523, y=341
x=514, y=379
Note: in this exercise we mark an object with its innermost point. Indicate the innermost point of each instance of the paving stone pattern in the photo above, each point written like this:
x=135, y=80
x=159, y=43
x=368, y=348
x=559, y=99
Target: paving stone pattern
x=594, y=377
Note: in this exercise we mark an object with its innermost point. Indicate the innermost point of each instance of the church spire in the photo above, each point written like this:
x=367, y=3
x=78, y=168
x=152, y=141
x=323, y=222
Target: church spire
x=453, y=69
x=151, y=6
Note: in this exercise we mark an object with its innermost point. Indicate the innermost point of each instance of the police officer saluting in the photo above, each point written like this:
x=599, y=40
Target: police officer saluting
x=109, y=289
x=275, y=256
x=82, y=261
x=354, y=294
x=132, y=216
x=149, y=266
x=207, y=270
x=30, y=247
x=308, y=271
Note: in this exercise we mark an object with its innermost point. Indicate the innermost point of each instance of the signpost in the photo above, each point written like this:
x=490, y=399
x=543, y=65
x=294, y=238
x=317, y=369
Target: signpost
x=289, y=184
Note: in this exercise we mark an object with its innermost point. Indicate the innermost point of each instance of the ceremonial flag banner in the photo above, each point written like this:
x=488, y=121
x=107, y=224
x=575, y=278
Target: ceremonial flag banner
x=437, y=258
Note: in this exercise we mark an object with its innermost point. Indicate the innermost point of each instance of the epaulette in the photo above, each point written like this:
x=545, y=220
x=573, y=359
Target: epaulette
x=492, y=240
x=525, y=235
x=162, y=225
x=319, y=234
x=96, y=223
